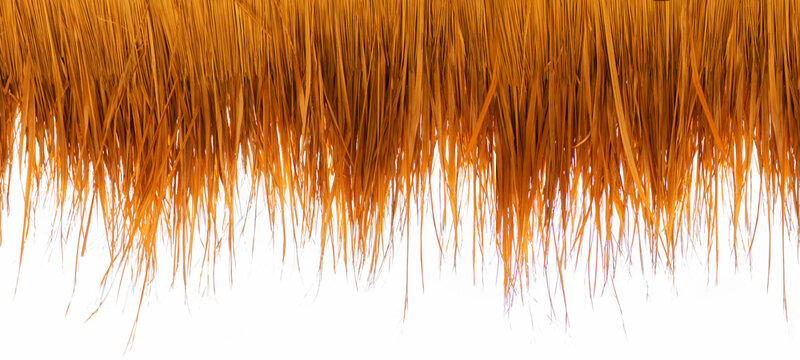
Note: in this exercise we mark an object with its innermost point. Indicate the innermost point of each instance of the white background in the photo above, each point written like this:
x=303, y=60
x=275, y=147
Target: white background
x=275, y=311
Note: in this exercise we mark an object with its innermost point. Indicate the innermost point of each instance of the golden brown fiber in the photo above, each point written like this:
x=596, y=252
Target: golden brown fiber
x=548, y=113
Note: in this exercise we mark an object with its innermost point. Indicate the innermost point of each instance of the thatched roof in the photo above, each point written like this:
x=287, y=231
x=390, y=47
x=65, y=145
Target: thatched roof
x=548, y=113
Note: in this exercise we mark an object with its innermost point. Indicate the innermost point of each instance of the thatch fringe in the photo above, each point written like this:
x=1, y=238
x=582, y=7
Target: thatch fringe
x=547, y=112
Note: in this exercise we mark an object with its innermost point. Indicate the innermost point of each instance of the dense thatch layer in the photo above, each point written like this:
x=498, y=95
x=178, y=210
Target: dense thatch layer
x=547, y=112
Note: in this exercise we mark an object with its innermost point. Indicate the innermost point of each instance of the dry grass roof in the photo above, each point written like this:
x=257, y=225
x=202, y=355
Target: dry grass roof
x=548, y=113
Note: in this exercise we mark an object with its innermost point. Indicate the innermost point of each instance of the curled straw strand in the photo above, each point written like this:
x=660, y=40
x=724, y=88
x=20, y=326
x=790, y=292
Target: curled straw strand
x=547, y=112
